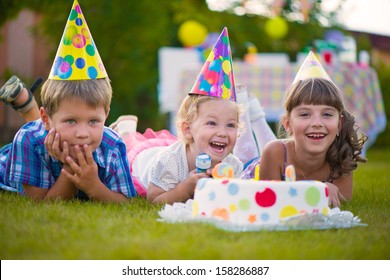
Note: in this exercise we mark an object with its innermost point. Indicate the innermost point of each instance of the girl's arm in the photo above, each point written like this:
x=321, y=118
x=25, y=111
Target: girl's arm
x=340, y=190
x=271, y=161
x=180, y=193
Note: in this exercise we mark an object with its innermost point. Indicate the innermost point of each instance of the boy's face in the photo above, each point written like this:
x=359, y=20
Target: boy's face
x=214, y=131
x=77, y=123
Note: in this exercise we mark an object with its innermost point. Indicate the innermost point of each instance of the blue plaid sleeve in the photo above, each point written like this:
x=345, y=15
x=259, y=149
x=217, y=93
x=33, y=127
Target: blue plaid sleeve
x=117, y=169
x=29, y=162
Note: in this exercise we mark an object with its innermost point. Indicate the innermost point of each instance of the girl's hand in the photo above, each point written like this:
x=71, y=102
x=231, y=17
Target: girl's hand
x=193, y=178
x=180, y=193
x=84, y=172
x=335, y=196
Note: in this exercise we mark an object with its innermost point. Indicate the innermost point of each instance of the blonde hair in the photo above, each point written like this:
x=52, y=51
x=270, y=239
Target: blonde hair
x=188, y=111
x=95, y=93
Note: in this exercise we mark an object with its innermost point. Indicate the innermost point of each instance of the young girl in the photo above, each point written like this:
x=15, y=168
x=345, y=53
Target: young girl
x=207, y=122
x=164, y=167
x=323, y=145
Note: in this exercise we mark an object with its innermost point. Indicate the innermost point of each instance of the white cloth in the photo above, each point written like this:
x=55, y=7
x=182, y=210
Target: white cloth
x=141, y=161
x=169, y=166
x=246, y=147
x=182, y=213
x=171, y=63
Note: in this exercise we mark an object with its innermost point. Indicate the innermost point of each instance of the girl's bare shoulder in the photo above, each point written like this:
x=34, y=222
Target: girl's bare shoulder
x=274, y=148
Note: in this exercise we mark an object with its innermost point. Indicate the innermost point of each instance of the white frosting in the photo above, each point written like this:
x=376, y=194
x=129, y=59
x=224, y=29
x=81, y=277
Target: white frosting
x=249, y=202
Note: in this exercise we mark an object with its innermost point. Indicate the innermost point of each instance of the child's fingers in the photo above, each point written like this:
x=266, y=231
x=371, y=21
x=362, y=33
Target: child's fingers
x=65, y=151
x=342, y=197
x=80, y=156
x=335, y=202
x=88, y=153
x=55, y=146
x=73, y=164
x=70, y=176
x=49, y=140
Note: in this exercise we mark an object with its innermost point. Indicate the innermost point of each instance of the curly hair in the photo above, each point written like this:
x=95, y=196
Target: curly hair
x=346, y=149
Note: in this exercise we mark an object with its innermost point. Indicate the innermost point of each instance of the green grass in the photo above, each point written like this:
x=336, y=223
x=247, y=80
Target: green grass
x=90, y=230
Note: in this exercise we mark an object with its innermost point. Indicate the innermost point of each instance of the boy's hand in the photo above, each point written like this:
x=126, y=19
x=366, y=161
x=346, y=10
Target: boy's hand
x=52, y=144
x=84, y=172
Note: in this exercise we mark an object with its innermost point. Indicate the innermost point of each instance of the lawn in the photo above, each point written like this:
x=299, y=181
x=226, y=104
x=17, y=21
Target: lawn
x=88, y=230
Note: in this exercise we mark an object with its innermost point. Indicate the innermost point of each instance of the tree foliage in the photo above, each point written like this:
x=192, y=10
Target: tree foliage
x=128, y=35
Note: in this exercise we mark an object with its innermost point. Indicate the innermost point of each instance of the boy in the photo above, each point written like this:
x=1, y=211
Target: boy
x=67, y=152
x=70, y=135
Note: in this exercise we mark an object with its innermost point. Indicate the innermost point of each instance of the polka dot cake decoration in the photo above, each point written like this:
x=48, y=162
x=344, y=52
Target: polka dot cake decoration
x=256, y=202
x=77, y=57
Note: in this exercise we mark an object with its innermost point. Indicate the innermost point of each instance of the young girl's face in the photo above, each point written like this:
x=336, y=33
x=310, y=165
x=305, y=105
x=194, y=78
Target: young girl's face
x=313, y=127
x=214, y=131
x=78, y=124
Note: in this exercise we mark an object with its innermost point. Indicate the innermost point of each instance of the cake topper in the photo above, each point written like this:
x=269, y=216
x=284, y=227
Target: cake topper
x=202, y=162
x=290, y=173
x=257, y=172
x=223, y=170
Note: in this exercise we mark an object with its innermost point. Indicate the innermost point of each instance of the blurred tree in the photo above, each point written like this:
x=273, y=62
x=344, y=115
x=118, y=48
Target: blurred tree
x=128, y=35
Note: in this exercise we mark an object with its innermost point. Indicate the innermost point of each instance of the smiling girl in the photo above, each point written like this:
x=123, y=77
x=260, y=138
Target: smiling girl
x=323, y=142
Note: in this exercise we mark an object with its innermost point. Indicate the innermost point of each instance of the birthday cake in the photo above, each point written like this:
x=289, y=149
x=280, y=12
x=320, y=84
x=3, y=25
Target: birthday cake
x=256, y=202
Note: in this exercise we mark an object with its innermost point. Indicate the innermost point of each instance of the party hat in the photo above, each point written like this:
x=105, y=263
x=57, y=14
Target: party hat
x=77, y=57
x=216, y=77
x=311, y=68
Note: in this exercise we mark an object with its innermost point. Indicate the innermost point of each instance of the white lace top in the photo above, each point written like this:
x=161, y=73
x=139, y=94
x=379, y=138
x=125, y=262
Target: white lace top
x=169, y=166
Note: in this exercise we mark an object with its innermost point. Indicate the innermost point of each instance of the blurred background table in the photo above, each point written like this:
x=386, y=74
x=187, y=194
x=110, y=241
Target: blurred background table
x=363, y=97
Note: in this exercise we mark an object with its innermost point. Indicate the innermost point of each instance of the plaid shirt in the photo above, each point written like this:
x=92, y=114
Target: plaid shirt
x=26, y=161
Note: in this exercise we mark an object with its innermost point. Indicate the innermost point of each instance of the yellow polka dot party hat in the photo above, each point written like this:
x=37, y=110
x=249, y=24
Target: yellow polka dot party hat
x=216, y=77
x=311, y=68
x=77, y=57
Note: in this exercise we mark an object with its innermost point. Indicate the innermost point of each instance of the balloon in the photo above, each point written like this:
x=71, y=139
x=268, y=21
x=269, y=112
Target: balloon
x=192, y=33
x=276, y=28
x=334, y=36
